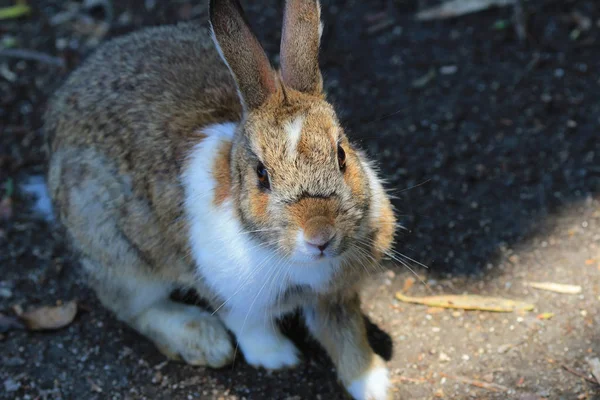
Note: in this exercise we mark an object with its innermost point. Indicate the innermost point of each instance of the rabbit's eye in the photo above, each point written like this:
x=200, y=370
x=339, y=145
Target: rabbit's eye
x=341, y=155
x=263, y=176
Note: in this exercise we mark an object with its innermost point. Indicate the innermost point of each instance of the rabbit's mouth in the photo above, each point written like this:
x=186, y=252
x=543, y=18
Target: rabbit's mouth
x=311, y=248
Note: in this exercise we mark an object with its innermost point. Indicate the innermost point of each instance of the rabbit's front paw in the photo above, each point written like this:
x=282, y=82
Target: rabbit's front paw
x=373, y=385
x=267, y=349
x=188, y=333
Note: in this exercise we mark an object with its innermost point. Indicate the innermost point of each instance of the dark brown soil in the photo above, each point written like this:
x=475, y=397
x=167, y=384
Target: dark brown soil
x=491, y=145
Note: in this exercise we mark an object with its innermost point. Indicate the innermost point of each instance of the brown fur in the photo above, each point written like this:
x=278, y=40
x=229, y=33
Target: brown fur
x=385, y=231
x=339, y=326
x=300, y=46
x=307, y=208
x=244, y=54
x=354, y=176
x=222, y=174
x=259, y=202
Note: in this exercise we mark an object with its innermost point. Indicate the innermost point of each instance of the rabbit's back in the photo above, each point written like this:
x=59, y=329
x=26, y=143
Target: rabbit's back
x=120, y=129
x=145, y=93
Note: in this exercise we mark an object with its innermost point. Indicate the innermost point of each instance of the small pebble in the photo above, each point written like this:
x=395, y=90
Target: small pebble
x=448, y=69
x=13, y=361
x=504, y=348
x=10, y=385
x=5, y=293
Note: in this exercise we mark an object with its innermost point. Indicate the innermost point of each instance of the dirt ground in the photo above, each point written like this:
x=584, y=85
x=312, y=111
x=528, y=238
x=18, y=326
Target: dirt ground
x=490, y=144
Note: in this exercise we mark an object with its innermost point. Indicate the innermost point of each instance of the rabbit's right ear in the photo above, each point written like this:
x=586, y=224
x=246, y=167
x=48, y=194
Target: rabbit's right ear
x=300, y=39
x=242, y=52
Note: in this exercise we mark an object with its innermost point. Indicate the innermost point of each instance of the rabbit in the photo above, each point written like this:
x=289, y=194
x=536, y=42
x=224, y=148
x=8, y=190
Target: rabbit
x=180, y=158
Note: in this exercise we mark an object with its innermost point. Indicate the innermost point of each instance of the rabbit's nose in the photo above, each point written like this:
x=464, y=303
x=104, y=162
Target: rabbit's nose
x=319, y=233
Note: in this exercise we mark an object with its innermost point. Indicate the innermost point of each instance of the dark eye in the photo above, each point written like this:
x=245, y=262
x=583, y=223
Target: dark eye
x=341, y=154
x=263, y=176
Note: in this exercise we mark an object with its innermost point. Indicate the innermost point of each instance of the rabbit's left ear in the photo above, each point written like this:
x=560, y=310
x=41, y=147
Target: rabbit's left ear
x=242, y=52
x=300, y=46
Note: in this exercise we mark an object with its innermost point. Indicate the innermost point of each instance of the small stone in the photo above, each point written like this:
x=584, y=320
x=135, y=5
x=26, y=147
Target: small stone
x=514, y=259
x=583, y=313
x=466, y=357
x=10, y=385
x=444, y=357
x=5, y=292
x=448, y=70
x=504, y=348
x=544, y=393
x=488, y=377
x=13, y=361
x=157, y=378
x=61, y=44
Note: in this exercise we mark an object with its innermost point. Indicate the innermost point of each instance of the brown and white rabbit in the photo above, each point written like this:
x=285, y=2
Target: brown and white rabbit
x=180, y=158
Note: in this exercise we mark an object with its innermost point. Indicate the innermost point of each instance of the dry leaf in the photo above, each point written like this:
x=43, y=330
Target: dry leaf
x=425, y=79
x=468, y=302
x=14, y=12
x=7, y=323
x=402, y=379
x=434, y=310
x=456, y=8
x=49, y=318
x=546, y=315
x=556, y=287
x=408, y=283
x=483, y=385
x=94, y=386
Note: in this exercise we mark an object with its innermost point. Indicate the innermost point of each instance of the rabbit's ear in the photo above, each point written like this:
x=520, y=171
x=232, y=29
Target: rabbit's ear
x=300, y=46
x=241, y=51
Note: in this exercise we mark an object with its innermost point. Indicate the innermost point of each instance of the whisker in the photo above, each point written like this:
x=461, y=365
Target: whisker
x=412, y=187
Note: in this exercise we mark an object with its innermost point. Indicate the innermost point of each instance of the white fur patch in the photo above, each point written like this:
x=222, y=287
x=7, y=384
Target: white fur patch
x=377, y=191
x=188, y=332
x=247, y=275
x=293, y=130
x=374, y=385
x=262, y=343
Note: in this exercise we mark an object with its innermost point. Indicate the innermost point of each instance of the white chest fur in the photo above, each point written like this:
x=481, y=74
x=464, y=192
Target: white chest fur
x=247, y=275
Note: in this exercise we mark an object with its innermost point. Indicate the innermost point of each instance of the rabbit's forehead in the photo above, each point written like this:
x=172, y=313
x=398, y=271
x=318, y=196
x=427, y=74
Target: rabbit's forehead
x=308, y=133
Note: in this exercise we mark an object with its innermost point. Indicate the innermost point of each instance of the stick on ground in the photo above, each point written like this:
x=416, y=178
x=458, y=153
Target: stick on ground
x=32, y=55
